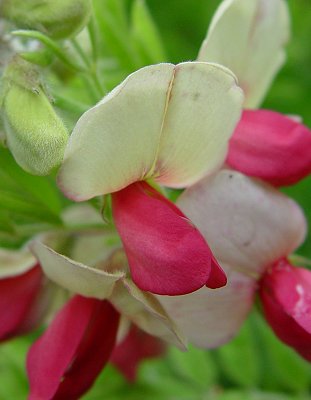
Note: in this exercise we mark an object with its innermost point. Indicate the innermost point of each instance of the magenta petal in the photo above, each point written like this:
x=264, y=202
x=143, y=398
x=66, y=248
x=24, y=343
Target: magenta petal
x=167, y=255
x=17, y=297
x=134, y=348
x=65, y=361
x=271, y=146
x=285, y=293
x=217, y=277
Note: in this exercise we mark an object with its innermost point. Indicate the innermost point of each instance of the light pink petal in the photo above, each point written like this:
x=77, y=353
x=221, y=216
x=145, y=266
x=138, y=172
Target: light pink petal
x=271, y=146
x=66, y=360
x=248, y=224
x=135, y=348
x=18, y=295
x=285, y=293
x=166, y=253
x=210, y=318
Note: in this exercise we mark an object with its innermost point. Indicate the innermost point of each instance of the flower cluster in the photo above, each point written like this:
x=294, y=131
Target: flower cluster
x=157, y=273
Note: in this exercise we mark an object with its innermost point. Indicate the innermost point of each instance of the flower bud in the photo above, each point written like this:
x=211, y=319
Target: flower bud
x=34, y=133
x=285, y=293
x=58, y=19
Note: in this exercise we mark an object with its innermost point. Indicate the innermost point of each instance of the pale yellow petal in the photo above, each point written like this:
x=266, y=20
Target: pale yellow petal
x=248, y=36
x=74, y=276
x=114, y=143
x=203, y=108
x=166, y=122
x=15, y=262
x=144, y=310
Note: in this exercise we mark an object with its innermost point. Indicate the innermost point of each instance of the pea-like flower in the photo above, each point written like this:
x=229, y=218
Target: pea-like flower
x=170, y=125
x=265, y=144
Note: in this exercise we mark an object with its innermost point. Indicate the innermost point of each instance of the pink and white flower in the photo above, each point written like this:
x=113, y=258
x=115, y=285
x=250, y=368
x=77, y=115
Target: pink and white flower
x=165, y=123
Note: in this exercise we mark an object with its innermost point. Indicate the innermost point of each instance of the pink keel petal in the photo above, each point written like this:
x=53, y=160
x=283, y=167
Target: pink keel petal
x=17, y=297
x=285, y=293
x=271, y=146
x=136, y=347
x=166, y=253
x=66, y=360
x=217, y=277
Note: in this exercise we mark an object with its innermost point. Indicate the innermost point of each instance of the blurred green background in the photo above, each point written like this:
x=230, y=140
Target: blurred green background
x=254, y=366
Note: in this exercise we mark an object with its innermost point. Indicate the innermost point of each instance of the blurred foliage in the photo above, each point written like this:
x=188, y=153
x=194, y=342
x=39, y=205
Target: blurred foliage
x=133, y=33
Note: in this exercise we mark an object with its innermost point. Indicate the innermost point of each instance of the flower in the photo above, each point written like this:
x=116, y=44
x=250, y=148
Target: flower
x=248, y=37
x=265, y=144
x=250, y=226
x=285, y=293
x=62, y=361
x=99, y=310
x=271, y=146
x=170, y=124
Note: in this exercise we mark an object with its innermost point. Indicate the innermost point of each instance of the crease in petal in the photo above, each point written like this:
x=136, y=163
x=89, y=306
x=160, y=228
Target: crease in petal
x=285, y=293
x=210, y=318
x=248, y=36
x=165, y=251
x=74, y=276
x=203, y=108
x=61, y=363
x=247, y=223
x=271, y=146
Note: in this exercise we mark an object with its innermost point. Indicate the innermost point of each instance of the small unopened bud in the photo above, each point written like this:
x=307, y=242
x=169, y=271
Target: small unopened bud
x=58, y=19
x=34, y=133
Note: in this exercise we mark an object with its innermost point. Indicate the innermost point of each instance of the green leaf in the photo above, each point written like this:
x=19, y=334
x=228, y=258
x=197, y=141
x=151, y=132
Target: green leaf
x=194, y=366
x=239, y=359
x=145, y=34
x=12, y=369
x=40, y=189
x=282, y=367
x=43, y=57
x=112, y=24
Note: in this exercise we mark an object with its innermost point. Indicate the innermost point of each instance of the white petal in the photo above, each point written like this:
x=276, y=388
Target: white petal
x=168, y=122
x=248, y=224
x=209, y=317
x=248, y=36
x=74, y=276
x=144, y=310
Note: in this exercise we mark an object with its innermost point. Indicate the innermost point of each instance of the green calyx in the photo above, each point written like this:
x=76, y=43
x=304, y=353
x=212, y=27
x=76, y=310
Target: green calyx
x=35, y=134
x=58, y=19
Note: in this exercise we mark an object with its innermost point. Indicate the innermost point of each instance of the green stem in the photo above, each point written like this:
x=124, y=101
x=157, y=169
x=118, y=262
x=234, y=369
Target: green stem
x=92, y=30
x=68, y=104
x=53, y=46
x=81, y=52
x=91, y=69
x=297, y=259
